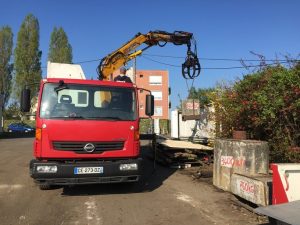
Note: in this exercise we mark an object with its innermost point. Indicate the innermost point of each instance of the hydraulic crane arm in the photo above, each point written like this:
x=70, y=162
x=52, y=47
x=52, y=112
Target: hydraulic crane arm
x=190, y=68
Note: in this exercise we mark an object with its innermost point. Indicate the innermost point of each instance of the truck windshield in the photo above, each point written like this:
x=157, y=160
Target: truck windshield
x=77, y=101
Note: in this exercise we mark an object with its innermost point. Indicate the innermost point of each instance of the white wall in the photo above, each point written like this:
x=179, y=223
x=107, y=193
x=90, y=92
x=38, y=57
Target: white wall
x=174, y=123
x=204, y=127
x=156, y=126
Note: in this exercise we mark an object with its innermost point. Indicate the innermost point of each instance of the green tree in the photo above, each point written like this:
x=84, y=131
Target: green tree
x=12, y=111
x=6, y=67
x=203, y=94
x=60, y=50
x=28, y=55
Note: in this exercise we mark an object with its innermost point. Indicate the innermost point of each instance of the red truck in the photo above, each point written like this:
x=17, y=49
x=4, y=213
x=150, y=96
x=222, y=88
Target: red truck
x=87, y=131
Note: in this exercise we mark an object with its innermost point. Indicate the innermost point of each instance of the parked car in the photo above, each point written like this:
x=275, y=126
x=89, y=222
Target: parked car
x=20, y=127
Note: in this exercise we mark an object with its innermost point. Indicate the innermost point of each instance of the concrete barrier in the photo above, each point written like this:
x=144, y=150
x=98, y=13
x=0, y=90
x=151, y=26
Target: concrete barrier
x=255, y=189
x=286, y=182
x=246, y=157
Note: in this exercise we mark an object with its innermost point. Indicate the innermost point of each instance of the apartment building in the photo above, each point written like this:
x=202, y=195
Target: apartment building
x=157, y=81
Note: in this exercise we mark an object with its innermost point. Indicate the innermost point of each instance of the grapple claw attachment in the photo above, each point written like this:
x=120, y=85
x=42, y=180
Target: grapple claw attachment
x=191, y=67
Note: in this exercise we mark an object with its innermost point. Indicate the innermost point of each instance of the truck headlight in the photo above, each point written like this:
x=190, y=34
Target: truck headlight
x=128, y=166
x=46, y=169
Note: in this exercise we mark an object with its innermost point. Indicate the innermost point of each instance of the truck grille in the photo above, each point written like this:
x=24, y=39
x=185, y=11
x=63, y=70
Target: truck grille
x=78, y=147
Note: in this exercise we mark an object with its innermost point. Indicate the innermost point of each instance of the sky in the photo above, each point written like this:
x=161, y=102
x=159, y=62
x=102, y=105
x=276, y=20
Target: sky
x=228, y=29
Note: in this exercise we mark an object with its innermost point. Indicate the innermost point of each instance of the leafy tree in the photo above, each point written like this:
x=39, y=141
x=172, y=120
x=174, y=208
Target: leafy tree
x=28, y=55
x=60, y=50
x=6, y=68
x=13, y=111
x=203, y=94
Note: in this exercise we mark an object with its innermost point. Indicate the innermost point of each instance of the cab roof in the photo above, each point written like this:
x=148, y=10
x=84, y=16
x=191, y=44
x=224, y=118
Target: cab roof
x=90, y=82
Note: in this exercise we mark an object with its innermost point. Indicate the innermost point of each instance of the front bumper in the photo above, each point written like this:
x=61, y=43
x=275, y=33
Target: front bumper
x=65, y=172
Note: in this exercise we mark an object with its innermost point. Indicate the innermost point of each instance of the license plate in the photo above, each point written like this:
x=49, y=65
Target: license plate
x=88, y=170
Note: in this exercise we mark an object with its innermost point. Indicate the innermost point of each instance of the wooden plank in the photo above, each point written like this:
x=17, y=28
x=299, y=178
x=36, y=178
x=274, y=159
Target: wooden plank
x=183, y=145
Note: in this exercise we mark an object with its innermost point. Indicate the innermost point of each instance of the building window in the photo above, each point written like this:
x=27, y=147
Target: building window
x=141, y=75
x=157, y=95
x=155, y=80
x=158, y=111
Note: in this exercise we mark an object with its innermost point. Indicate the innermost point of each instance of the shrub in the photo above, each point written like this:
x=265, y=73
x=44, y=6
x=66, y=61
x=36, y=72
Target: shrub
x=267, y=105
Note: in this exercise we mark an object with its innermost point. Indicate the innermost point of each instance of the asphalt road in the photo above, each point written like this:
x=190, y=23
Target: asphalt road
x=166, y=196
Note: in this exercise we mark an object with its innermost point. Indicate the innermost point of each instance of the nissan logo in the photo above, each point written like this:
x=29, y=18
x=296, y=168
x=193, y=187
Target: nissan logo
x=89, y=147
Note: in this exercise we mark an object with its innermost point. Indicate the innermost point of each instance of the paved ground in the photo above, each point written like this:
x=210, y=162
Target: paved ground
x=167, y=197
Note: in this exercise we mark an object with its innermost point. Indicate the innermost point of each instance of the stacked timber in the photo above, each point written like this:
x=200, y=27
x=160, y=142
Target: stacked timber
x=182, y=154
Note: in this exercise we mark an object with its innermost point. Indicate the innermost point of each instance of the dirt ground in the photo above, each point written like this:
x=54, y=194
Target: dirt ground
x=163, y=196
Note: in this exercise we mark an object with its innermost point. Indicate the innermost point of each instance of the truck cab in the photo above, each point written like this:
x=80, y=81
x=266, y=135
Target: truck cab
x=87, y=131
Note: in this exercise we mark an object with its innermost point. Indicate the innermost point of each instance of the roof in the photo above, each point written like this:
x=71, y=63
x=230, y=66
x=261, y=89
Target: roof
x=90, y=82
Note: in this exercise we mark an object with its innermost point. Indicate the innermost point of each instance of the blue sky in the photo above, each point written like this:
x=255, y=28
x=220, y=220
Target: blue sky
x=223, y=29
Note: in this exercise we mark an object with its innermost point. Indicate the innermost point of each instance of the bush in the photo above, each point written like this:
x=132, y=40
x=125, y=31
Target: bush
x=267, y=105
x=164, y=126
x=12, y=112
x=145, y=126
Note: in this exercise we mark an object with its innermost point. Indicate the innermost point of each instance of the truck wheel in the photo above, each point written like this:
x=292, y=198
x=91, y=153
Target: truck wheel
x=45, y=186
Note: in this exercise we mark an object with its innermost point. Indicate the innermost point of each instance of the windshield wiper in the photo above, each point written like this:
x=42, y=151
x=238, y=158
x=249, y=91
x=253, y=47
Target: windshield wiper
x=67, y=117
x=114, y=118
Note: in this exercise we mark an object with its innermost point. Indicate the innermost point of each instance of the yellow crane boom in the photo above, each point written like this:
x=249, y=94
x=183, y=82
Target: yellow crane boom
x=190, y=68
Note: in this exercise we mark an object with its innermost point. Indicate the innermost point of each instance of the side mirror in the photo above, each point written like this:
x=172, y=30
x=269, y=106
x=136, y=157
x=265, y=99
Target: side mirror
x=25, y=100
x=149, y=105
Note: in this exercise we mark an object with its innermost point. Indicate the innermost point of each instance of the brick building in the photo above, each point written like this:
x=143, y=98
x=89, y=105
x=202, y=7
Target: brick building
x=157, y=81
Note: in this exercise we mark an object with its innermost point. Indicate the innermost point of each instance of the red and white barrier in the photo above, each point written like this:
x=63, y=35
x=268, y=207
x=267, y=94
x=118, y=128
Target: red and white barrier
x=286, y=182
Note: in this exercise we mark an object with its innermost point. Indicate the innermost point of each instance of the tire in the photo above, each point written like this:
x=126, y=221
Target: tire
x=45, y=186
